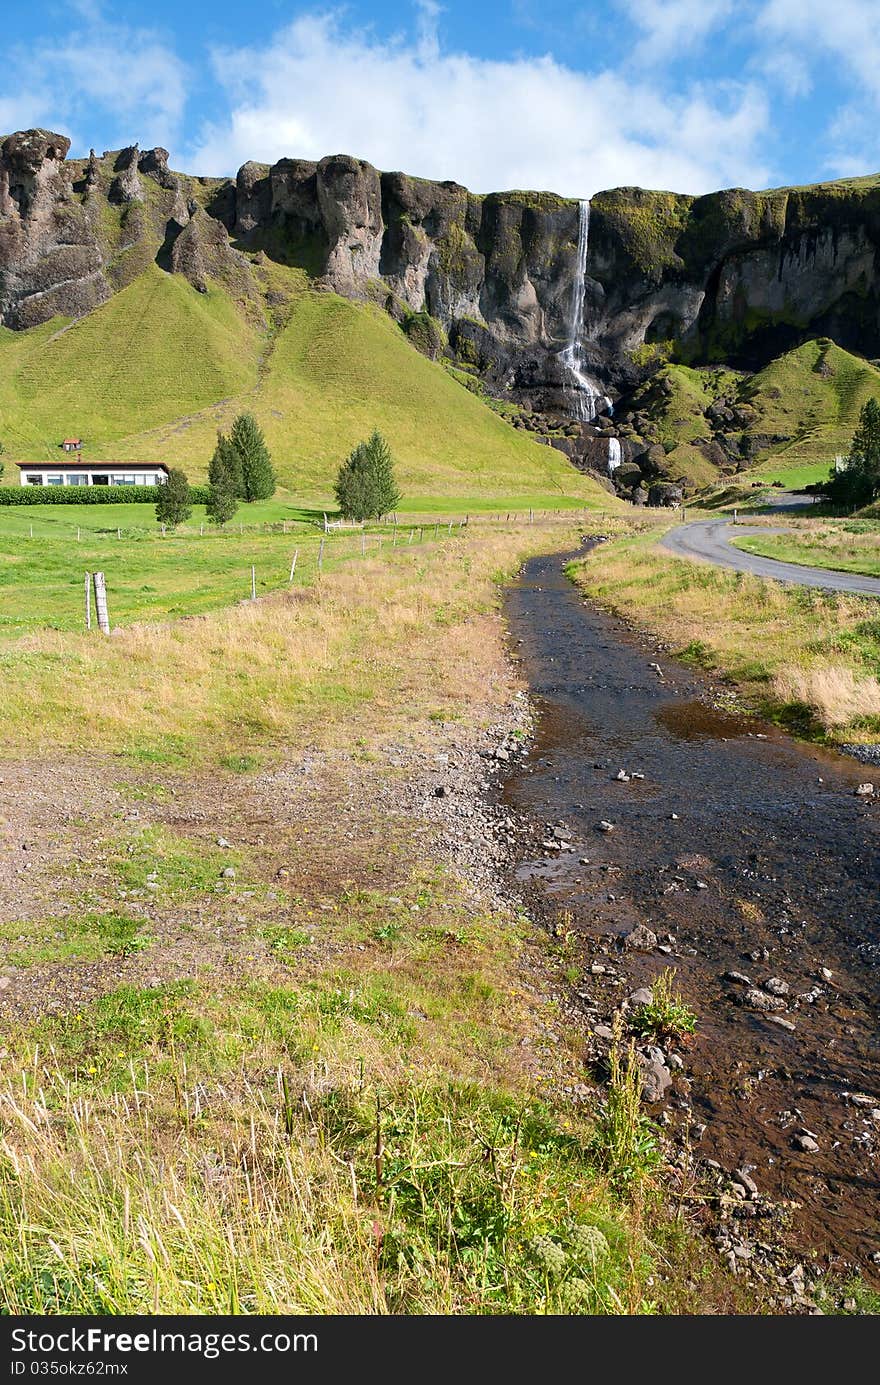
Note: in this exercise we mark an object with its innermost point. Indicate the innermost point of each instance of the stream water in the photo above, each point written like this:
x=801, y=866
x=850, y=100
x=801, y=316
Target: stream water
x=755, y=854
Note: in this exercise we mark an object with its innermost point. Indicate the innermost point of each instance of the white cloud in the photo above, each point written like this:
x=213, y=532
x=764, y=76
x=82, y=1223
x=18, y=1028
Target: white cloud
x=673, y=27
x=318, y=88
x=847, y=31
x=128, y=79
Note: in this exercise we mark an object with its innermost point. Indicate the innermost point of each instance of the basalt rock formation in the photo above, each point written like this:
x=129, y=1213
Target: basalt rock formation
x=488, y=280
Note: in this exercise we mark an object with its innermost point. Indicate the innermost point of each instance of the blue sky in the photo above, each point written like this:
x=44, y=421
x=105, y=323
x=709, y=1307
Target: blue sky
x=683, y=94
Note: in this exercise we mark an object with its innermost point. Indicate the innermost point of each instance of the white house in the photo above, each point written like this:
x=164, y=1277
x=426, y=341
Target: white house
x=72, y=473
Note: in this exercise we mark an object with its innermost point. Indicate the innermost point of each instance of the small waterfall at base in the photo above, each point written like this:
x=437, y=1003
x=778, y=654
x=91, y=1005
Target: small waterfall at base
x=614, y=455
x=588, y=399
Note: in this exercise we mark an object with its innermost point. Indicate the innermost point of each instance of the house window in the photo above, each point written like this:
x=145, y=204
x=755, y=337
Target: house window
x=122, y=479
x=34, y=480
x=55, y=480
x=99, y=480
x=77, y=478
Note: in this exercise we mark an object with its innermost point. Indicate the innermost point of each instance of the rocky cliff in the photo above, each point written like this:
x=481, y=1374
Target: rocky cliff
x=489, y=280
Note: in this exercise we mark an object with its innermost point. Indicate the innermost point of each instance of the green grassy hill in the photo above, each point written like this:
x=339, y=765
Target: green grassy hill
x=157, y=370
x=792, y=418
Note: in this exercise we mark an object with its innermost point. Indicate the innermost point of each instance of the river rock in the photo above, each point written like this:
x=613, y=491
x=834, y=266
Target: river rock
x=864, y=791
x=745, y=1181
x=639, y=939
x=642, y=996
x=806, y=1143
x=656, y=1079
x=776, y=986
x=759, y=1000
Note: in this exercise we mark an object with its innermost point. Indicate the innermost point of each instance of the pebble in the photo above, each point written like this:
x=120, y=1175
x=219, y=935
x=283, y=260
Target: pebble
x=605, y=826
x=864, y=791
x=5, y=983
x=223, y=843
x=227, y=873
x=781, y=1022
x=643, y=996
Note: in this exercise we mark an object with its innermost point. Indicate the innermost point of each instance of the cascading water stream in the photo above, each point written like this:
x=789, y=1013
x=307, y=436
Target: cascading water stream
x=588, y=399
x=614, y=455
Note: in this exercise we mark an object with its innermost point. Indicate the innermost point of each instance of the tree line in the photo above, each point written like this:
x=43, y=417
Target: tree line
x=241, y=470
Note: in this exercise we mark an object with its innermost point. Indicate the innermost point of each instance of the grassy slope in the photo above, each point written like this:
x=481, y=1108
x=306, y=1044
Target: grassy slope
x=157, y=351
x=157, y=370
x=812, y=395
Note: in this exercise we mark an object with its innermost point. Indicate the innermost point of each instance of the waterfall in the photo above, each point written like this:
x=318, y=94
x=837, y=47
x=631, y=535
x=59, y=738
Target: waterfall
x=587, y=398
x=614, y=455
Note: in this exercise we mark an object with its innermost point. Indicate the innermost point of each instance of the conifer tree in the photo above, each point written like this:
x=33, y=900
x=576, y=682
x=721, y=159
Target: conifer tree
x=224, y=468
x=257, y=472
x=173, y=503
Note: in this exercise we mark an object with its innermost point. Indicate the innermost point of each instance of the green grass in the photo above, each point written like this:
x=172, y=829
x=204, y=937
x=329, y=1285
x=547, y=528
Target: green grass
x=850, y=547
x=71, y=938
x=157, y=370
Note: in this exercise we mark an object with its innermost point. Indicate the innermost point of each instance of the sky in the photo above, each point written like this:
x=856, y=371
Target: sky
x=689, y=95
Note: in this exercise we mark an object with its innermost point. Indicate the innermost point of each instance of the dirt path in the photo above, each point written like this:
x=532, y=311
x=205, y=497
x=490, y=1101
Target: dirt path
x=754, y=863
x=709, y=541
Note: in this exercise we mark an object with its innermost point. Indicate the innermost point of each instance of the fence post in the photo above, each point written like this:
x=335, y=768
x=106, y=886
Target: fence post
x=394, y=539
x=77, y=533
x=321, y=555
x=450, y=526
x=101, y=603
x=88, y=601
x=326, y=525
x=32, y=531
x=412, y=534
x=531, y=517
x=253, y=583
x=293, y=564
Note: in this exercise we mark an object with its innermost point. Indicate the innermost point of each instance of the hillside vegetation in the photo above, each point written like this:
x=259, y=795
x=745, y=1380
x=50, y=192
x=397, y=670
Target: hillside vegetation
x=157, y=370
x=788, y=421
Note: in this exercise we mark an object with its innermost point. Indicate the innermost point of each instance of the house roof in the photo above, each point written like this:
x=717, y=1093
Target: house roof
x=75, y=442
x=92, y=466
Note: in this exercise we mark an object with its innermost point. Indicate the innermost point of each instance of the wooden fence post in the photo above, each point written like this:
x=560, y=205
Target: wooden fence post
x=88, y=601
x=101, y=603
x=293, y=564
x=321, y=555
x=253, y=583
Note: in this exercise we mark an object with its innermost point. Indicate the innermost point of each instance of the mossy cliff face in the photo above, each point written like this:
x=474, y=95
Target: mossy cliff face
x=737, y=275
x=73, y=232
x=734, y=276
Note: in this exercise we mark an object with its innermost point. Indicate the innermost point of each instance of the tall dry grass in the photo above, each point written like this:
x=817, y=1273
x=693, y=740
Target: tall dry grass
x=381, y=640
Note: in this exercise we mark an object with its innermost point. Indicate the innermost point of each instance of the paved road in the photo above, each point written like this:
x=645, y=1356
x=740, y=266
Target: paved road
x=709, y=541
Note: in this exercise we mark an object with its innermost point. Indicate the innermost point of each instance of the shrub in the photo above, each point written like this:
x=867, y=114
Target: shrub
x=91, y=495
x=173, y=505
